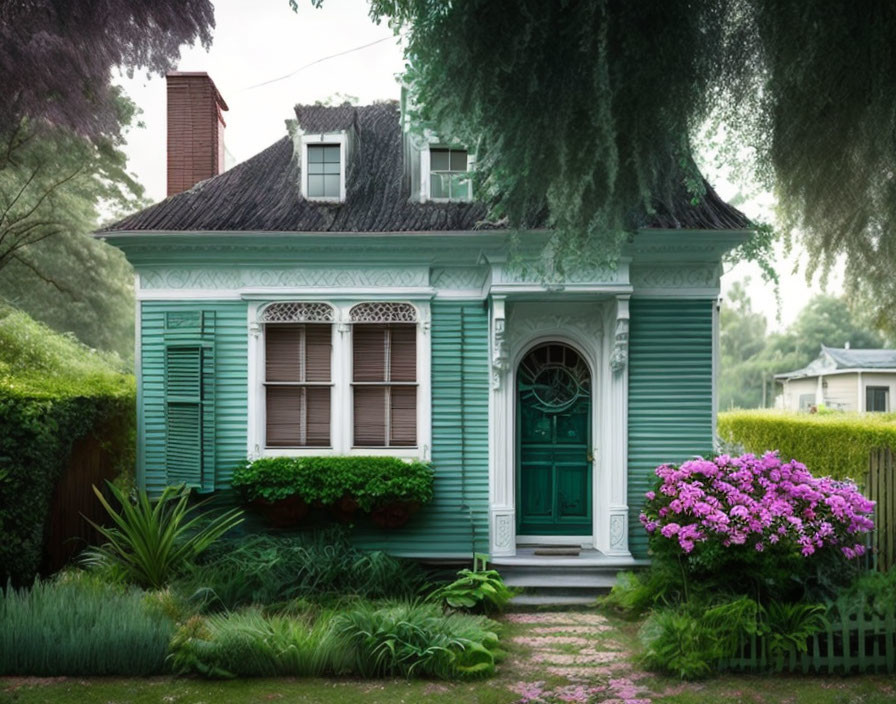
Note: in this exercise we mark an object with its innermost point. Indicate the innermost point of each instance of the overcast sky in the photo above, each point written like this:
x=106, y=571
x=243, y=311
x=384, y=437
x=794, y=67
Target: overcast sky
x=264, y=40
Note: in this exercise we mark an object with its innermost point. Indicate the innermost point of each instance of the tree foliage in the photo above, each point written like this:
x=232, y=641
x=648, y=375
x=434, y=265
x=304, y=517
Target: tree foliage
x=593, y=107
x=56, y=58
x=62, y=167
x=749, y=357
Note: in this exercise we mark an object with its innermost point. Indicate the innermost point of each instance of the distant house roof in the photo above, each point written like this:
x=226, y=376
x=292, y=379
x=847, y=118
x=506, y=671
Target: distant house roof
x=263, y=193
x=836, y=359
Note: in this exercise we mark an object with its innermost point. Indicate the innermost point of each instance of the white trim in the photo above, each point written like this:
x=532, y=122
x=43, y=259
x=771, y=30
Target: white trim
x=329, y=138
x=341, y=399
x=138, y=377
x=716, y=355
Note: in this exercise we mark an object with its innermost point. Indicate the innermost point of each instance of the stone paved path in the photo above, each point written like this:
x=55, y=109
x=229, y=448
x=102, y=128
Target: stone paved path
x=572, y=656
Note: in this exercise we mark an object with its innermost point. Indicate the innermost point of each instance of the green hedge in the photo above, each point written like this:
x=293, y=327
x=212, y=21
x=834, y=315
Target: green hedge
x=53, y=391
x=832, y=444
x=371, y=481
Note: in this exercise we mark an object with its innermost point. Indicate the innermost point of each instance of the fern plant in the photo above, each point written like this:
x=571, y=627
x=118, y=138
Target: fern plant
x=151, y=541
x=789, y=627
x=477, y=588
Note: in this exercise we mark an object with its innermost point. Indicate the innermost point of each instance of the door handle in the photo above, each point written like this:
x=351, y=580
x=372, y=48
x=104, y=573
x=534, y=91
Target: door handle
x=590, y=455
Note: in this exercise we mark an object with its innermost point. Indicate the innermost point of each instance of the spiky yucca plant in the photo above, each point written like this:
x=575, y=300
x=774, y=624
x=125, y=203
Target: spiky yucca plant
x=150, y=541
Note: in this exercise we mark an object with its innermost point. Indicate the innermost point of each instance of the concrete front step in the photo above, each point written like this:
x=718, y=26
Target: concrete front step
x=558, y=577
x=549, y=598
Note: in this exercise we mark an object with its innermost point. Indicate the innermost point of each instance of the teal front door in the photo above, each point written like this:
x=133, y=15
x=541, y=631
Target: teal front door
x=554, y=442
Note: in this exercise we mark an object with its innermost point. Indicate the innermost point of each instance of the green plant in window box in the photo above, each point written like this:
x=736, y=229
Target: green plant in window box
x=476, y=589
x=273, y=486
x=388, y=488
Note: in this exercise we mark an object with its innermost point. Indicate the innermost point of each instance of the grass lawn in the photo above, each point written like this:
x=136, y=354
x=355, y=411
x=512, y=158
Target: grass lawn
x=551, y=651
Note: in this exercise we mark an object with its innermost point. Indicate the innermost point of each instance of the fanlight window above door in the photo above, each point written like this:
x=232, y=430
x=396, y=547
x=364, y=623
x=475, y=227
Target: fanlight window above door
x=553, y=377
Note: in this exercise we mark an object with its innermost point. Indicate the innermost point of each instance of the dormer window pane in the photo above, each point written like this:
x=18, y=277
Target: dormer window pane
x=323, y=171
x=449, y=177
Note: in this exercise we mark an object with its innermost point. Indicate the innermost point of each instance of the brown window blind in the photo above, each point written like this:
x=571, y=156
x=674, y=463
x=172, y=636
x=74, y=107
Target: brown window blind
x=297, y=385
x=384, y=359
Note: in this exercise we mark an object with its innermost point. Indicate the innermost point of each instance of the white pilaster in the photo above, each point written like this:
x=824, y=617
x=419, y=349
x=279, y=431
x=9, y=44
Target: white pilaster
x=612, y=535
x=502, y=514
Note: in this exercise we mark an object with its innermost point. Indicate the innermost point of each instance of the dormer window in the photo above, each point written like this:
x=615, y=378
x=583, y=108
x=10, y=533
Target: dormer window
x=323, y=170
x=323, y=159
x=449, y=174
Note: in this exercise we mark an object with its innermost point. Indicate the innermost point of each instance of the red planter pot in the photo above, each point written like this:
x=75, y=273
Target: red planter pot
x=344, y=509
x=394, y=515
x=282, y=513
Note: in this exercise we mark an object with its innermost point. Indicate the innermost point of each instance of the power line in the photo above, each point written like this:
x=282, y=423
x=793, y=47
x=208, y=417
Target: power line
x=317, y=61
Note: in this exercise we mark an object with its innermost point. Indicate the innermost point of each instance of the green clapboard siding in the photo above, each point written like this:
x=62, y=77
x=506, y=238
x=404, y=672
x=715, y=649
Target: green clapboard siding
x=669, y=394
x=456, y=522
x=230, y=384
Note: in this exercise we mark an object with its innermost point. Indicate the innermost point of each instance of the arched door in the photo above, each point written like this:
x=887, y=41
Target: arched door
x=554, y=442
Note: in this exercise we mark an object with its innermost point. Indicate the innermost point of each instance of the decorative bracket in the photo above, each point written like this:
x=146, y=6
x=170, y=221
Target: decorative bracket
x=619, y=356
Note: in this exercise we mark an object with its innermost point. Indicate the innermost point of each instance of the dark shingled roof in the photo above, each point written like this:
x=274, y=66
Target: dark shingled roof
x=263, y=193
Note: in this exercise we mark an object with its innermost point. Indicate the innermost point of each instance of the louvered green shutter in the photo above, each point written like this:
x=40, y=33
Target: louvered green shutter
x=190, y=399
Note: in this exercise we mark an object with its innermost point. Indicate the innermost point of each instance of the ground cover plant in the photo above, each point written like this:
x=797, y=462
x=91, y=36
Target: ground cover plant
x=266, y=570
x=476, y=589
x=78, y=625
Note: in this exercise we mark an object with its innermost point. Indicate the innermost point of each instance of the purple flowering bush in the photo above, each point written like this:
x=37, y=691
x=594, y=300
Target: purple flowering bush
x=755, y=521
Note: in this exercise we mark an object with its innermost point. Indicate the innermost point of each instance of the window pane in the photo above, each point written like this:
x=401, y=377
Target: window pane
x=318, y=348
x=316, y=168
x=330, y=168
x=404, y=416
x=436, y=188
x=331, y=186
x=282, y=352
x=284, y=416
x=315, y=154
x=369, y=352
x=460, y=188
x=317, y=416
x=403, y=353
x=370, y=416
x=331, y=153
x=439, y=160
x=458, y=160
x=315, y=186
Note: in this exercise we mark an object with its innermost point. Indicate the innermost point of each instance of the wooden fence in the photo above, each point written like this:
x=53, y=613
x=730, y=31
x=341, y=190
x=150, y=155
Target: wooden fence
x=880, y=487
x=67, y=533
x=860, y=637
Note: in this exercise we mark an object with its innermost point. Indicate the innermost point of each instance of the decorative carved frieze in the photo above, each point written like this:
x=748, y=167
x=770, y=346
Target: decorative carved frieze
x=704, y=275
x=457, y=277
x=257, y=277
x=619, y=355
x=617, y=532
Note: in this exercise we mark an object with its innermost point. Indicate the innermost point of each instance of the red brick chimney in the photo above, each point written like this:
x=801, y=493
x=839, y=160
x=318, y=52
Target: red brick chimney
x=195, y=130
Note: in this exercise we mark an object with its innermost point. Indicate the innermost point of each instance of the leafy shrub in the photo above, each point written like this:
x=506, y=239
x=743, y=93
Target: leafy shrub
x=836, y=444
x=76, y=625
x=371, y=481
x=407, y=639
x=265, y=569
x=751, y=520
x=53, y=391
x=249, y=644
x=479, y=588
x=691, y=642
x=150, y=542
x=636, y=592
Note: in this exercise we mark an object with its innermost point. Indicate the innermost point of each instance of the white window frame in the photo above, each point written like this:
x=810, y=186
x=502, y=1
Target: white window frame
x=341, y=400
x=339, y=139
x=426, y=173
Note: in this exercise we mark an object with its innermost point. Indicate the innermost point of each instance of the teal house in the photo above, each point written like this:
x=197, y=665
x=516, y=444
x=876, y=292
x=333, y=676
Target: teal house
x=342, y=292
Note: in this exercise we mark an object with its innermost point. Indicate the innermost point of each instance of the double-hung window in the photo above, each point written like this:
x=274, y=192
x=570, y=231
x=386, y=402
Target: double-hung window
x=449, y=174
x=876, y=398
x=297, y=375
x=344, y=377
x=384, y=375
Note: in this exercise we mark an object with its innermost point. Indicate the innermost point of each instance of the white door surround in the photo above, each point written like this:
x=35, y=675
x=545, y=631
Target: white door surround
x=516, y=328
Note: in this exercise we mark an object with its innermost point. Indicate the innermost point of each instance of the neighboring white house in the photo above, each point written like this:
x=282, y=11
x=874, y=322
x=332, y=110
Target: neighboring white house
x=842, y=379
